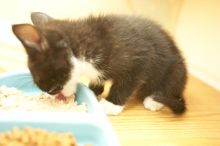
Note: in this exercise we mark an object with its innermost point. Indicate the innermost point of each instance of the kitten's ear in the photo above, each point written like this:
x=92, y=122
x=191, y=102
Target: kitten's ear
x=29, y=36
x=40, y=19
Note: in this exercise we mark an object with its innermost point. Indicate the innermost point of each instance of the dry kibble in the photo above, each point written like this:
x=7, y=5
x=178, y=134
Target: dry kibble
x=25, y=138
x=8, y=135
x=36, y=137
x=14, y=143
x=17, y=134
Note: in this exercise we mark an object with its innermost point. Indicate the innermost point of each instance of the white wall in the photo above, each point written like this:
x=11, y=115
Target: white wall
x=163, y=11
x=198, y=35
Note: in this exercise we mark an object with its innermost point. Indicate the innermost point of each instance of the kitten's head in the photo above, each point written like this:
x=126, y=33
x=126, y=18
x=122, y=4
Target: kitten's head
x=49, y=54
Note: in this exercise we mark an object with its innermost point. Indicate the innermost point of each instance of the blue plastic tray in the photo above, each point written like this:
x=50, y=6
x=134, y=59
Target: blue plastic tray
x=92, y=127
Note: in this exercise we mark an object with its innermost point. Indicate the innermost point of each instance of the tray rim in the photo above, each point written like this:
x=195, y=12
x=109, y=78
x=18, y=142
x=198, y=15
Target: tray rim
x=102, y=121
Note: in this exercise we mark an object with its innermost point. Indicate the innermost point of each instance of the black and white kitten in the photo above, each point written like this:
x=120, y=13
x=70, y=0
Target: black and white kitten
x=136, y=54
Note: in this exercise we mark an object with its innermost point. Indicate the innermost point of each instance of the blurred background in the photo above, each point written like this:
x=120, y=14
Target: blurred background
x=194, y=25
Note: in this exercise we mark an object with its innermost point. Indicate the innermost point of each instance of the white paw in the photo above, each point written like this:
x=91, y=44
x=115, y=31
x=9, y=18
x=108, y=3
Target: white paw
x=152, y=105
x=110, y=108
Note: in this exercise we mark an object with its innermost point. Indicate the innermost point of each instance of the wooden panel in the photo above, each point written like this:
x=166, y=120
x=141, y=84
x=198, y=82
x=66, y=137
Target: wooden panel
x=198, y=126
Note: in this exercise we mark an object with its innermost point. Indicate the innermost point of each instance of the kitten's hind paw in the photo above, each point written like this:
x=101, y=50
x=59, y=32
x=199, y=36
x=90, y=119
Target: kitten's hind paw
x=110, y=108
x=152, y=105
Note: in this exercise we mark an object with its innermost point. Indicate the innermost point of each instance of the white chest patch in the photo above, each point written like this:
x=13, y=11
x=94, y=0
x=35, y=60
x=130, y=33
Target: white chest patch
x=85, y=70
x=82, y=70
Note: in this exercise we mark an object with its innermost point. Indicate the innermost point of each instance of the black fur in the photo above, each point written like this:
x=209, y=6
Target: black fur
x=135, y=53
x=97, y=88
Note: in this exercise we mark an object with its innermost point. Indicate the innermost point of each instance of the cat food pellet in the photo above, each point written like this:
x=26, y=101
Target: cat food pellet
x=12, y=99
x=34, y=136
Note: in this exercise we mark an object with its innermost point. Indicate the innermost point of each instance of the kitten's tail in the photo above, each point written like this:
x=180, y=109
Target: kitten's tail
x=176, y=105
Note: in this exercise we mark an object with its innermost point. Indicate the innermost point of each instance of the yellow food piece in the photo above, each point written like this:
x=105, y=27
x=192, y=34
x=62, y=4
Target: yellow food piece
x=35, y=137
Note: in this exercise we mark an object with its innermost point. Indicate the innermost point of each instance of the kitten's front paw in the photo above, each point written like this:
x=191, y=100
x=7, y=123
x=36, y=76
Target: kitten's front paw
x=152, y=105
x=110, y=108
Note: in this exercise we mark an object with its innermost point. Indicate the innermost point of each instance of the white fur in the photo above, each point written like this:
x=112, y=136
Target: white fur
x=70, y=87
x=110, y=108
x=87, y=70
x=152, y=105
x=81, y=68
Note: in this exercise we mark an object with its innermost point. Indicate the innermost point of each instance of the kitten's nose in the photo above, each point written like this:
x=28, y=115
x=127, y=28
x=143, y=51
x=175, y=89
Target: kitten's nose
x=55, y=90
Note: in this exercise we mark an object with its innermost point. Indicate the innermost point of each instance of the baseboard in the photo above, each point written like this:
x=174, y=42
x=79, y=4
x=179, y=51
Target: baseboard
x=205, y=77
